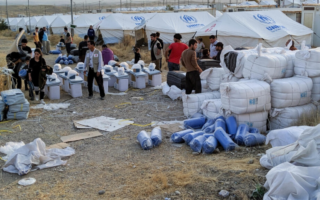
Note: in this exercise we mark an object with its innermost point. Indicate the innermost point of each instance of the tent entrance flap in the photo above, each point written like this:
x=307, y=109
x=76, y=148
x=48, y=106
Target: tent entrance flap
x=141, y=37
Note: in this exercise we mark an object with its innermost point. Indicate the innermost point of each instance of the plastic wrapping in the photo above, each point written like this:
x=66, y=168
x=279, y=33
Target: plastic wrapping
x=14, y=96
x=220, y=123
x=197, y=115
x=190, y=136
x=17, y=115
x=254, y=130
x=253, y=139
x=209, y=122
x=57, y=67
x=156, y=136
x=209, y=145
x=144, y=140
x=208, y=135
x=177, y=137
x=241, y=132
x=224, y=139
x=196, y=143
x=112, y=63
x=210, y=129
x=231, y=125
x=2, y=104
x=195, y=123
x=58, y=60
x=24, y=107
x=66, y=62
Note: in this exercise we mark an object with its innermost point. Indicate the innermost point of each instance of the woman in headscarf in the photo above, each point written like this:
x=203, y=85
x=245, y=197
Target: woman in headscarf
x=37, y=75
x=292, y=47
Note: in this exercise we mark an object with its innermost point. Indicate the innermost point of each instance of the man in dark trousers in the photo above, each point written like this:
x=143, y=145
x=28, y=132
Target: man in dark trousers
x=91, y=33
x=161, y=42
x=156, y=53
x=41, y=35
x=67, y=40
x=189, y=61
x=83, y=47
x=93, y=64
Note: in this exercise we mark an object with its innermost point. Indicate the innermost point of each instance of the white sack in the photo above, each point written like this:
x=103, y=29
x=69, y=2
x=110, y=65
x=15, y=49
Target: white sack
x=265, y=67
x=192, y=102
x=290, y=92
x=307, y=63
x=286, y=117
x=315, y=93
x=290, y=57
x=211, y=108
x=283, y=137
x=255, y=120
x=287, y=181
x=245, y=97
x=173, y=92
x=213, y=76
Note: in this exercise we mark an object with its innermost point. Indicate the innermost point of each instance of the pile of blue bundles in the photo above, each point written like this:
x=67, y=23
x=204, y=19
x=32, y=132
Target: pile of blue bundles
x=156, y=136
x=253, y=139
x=190, y=136
x=55, y=52
x=148, y=142
x=241, y=132
x=209, y=122
x=58, y=59
x=231, y=125
x=66, y=62
x=61, y=61
x=194, y=123
x=209, y=145
x=70, y=62
x=196, y=143
x=177, y=137
x=224, y=139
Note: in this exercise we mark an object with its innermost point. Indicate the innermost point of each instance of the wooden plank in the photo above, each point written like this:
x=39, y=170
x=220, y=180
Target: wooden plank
x=61, y=145
x=81, y=136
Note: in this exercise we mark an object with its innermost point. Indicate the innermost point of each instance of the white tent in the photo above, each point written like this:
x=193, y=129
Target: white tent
x=22, y=23
x=84, y=21
x=218, y=14
x=248, y=3
x=57, y=26
x=115, y=26
x=46, y=21
x=185, y=23
x=34, y=21
x=268, y=2
x=311, y=2
x=291, y=3
x=14, y=23
x=247, y=29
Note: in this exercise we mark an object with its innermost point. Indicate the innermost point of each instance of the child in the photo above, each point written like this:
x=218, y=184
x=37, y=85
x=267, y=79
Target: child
x=62, y=40
x=137, y=55
x=206, y=54
x=200, y=47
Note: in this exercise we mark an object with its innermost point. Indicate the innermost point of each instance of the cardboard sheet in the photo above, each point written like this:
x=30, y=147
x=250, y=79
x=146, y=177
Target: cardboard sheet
x=80, y=136
x=61, y=145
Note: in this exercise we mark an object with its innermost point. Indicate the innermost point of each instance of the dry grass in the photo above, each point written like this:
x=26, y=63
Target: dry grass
x=3, y=61
x=310, y=119
x=8, y=33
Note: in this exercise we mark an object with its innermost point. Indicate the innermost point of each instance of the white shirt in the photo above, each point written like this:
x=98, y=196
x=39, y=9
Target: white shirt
x=90, y=56
x=213, y=51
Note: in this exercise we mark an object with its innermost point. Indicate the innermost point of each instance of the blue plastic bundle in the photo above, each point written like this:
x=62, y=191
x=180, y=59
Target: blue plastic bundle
x=70, y=62
x=23, y=73
x=64, y=58
x=66, y=62
x=195, y=123
x=208, y=135
x=221, y=117
x=55, y=52
x=208, y=123
x=253, y=139
x=196, y=143
x=242, y=131
x=190, y=136
x=177, y=137
x=224, y=139
x=254, y=130
x=70, y=57
x=210, y=129
x=209, y=145
x=144, y=140
x=58, y=60
x=220, y=123
x=156, y=136
x=61, y=61
x=231, y=125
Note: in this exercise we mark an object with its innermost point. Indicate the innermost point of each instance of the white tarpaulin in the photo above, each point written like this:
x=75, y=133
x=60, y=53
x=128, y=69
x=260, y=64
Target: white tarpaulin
x=185, y=23
x=114, y=27
x=22, y=23
x=34, y=156
x=60, y=22
x=84, y=21
x=33, y=23
x=247, y=29
x=13, y=24
x=287, y=181
x=105, y=123
x=52, y=106
x=46, y=21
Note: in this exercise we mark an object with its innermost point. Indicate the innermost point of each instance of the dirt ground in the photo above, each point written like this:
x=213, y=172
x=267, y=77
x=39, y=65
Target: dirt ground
x=115, y=162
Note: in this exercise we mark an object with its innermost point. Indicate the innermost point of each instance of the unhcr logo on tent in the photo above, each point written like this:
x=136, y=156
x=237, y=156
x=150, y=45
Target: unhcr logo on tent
x=264, y=19
x=102, y=18
x=188, y=19
x=138, y=19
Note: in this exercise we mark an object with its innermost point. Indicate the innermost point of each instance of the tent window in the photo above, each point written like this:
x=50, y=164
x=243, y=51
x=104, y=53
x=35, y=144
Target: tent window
x=241, y=9
x=308, y=8
x=230, y=10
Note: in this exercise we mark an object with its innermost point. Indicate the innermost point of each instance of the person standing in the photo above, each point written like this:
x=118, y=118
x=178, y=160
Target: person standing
x=37, y=66
x=45, y=42
x=67, y=39
x=137, y=55
x=176, y=49
x=189, y=60
x=83, y=48
x=219, y=48
x=162, y=47
x=41, y=35
x=93, y=64
x=36, y=38
x=156, y=53
x=213, y=43
x=107, y=54
x=200, y=48
x=91, y=33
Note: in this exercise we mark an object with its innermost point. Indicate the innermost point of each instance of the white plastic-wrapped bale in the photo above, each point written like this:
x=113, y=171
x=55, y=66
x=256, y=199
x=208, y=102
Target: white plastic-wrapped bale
x=315, y=93
x=265, y=67
x=254, y=120
x=173, y=92
x=192, y=102
x=213, y=76
x=245, y=97
x=285, y=117
x=290, y=92
x=211, y=108
x=307, y=63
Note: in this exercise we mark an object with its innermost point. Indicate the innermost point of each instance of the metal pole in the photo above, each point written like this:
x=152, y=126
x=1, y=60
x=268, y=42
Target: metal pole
x=71, y=19
x=7, y=14
x=75, y=8
x=178, y=5
x=29, y=18
x=99, y=5
x=83, y=7
x=120, y=6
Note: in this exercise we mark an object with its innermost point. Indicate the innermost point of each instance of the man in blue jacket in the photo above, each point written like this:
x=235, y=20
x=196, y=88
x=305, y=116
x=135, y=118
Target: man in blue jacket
x=91, y=33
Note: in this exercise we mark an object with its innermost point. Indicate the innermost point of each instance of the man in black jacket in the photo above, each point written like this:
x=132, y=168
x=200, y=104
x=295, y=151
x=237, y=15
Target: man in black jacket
x=83, y=47
x=41, y=35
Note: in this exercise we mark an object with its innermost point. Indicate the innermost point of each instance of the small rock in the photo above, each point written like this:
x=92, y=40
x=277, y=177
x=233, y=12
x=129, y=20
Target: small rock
x=177, y=192
x=251, y=161
x=257, y=169
x=60, y=170
x=101, y=192
x=134, y=166
x=224, y=193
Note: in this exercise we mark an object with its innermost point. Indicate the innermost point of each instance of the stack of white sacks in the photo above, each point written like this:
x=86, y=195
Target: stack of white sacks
x=19, y=106
x=272, y=84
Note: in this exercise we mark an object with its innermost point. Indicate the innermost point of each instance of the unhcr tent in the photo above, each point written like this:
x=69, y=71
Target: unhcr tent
x=57, y=26
x=46, y=21
x=34, y=21
x=248, y=3
x=22, y=23
x=185, y=23
x=268, y=2
x=116, y=26
x=218, y=14
x=84, y=21
x=247, y=29
x=14, y=23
